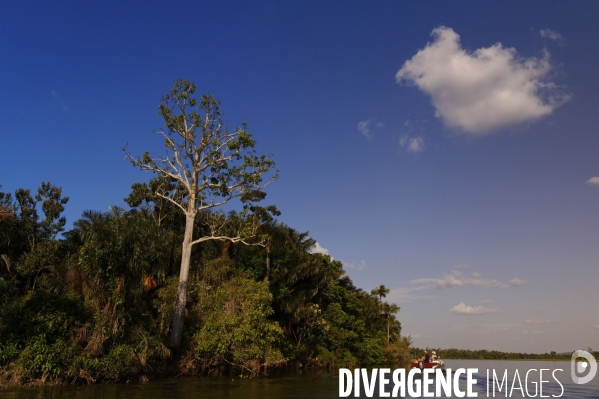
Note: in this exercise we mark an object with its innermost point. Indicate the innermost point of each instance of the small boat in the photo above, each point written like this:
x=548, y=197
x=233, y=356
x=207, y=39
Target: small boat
x=421, y=364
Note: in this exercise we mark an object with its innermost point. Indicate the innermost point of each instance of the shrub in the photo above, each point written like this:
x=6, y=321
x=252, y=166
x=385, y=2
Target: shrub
x=236, y=328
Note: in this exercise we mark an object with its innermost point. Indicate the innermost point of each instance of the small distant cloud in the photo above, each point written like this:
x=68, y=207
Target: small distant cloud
x=516, y=282
x=539, y=332
x=364, y=127
x=525, y=332
x=457, y=279
x=550, y=34
x=317, y=249
x=454, y=279
x=593, y=181
x=411, y=136
x=484, y=90
x=354, y=266
x=408, y=294
x=540, y=321
x=412, y=144
x=596, y=326
x=463, y=309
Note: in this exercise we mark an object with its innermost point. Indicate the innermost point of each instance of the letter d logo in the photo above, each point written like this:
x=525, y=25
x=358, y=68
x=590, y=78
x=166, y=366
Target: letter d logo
x=580, y=367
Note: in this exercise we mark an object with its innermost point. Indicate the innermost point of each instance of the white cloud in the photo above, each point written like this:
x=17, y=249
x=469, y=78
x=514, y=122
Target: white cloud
x=353, y=266
x=515, y=282
x=485, y=302
x=411, y=135
x=484, y=90
x=549, y=34
x=412, y=144
x=317, y=249
x=408, y=294
x=364, y=127
x=464, y=309
x=457, y=279
x=539, y=321
x=596, y=326
x=593, y=181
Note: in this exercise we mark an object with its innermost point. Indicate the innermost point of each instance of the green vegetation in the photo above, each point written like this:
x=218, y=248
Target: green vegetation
x=96, y=303
x=206, y=166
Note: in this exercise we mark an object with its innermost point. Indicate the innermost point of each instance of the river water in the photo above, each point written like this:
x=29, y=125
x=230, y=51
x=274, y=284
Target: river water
x=319, y=385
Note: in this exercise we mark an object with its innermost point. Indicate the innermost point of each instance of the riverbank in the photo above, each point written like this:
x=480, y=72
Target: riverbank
x=483, y=354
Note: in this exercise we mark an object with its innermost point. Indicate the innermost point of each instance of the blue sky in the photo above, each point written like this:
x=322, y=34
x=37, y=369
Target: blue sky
x=447, y=152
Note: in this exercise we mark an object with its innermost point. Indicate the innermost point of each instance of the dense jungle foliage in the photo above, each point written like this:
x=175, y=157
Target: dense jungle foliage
x=95, y=304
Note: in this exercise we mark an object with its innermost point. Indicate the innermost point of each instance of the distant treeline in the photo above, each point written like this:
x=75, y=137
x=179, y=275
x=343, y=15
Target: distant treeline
x=483, y=354
x=95, y=303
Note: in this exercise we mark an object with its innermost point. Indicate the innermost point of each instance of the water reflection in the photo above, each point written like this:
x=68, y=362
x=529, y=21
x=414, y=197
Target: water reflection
x=551, y=388
x=307, y=385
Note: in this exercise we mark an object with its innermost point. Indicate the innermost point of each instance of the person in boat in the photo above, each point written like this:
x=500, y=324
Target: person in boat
x=438, y=360
x=434, y=357
x=427, y=358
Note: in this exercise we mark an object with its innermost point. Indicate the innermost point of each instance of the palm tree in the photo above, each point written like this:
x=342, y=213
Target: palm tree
x=388, y=310
x=381, y=291
x=122, y=254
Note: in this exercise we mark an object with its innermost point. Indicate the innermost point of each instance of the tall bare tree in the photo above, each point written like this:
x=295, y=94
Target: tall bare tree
x=208, y=166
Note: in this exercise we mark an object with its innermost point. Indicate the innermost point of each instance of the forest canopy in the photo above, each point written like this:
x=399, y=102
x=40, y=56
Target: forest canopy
x=96, y=303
